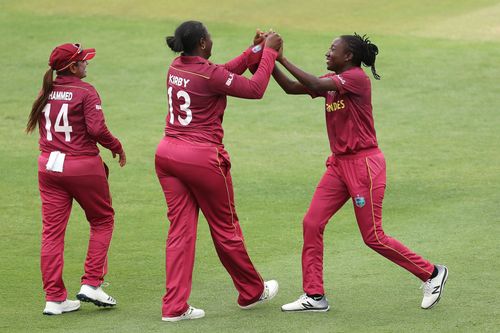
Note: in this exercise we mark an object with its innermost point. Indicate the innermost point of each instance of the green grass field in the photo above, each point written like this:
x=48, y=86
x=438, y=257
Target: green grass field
x=438, y=122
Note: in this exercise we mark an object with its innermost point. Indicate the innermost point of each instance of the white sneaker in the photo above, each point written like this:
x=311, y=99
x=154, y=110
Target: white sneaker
x=270, y=290
x=57, y=308
x=433, y=288
x=307, y=304
x=95, y=295
x=191, y=313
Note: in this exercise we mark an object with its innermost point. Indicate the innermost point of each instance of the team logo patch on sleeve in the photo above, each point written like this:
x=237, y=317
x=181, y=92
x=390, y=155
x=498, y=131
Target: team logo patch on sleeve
x=359, y=201
x=98, y=107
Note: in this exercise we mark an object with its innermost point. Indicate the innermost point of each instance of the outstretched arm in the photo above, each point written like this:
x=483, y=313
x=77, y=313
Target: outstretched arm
x=288, y=86
x=227, y=83
x=238, y=65
x=311, y=82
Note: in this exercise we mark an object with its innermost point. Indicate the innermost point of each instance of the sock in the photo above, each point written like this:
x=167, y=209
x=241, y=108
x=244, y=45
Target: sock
x=434, y=273
x=316, y=297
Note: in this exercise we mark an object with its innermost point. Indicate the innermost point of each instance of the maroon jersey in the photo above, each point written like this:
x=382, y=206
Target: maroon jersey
x=348, y=111
x=72, y=121
x=197, y=91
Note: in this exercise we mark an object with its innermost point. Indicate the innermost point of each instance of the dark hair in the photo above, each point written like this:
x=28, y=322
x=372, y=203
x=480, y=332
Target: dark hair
x=186, y=37
x=40, y=101
x=363, y=51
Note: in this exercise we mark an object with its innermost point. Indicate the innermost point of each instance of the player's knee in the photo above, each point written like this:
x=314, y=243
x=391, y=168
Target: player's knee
x=370, y=240
x=102, y=222
x=374, y=241
x=310, y=224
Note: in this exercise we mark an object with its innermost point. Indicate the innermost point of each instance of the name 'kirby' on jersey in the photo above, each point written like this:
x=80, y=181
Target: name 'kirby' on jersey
x=197, y=94
x=72, y=121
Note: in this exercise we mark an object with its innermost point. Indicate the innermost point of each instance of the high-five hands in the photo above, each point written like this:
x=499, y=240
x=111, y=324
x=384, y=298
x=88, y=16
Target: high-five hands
x=272, y=39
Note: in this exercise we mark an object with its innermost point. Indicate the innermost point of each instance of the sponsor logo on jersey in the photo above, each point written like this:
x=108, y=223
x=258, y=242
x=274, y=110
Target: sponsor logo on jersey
x=61, y=96
x=230, y=79
x=359, y=201
x=178, y=81
x=334, y=106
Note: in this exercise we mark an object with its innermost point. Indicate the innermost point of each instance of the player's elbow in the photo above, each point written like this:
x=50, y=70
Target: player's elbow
x=314, y=86
x=257, y=93
x=93, y=133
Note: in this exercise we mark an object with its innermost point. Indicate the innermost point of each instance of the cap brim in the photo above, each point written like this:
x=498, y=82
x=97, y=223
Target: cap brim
x=87, y=54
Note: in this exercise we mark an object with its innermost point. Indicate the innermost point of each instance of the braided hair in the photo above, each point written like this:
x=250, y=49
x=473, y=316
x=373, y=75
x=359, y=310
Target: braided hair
x=363, y=51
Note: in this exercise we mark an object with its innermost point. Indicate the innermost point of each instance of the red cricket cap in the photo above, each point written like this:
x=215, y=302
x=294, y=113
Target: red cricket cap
x=66, y=54
x=253, y=60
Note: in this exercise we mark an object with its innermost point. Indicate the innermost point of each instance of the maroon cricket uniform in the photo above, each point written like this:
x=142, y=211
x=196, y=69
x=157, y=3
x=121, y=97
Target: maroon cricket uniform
x=194, y=171
x=72, y=123
x=356, y=169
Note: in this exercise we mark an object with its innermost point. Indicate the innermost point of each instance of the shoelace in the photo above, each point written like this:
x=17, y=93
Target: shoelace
x=427, y=287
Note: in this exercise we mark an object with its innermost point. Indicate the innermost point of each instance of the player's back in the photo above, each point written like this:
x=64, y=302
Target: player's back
x=195, y=110
x=63, y=125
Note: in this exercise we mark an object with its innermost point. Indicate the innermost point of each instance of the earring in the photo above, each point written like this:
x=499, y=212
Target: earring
x=203, y=47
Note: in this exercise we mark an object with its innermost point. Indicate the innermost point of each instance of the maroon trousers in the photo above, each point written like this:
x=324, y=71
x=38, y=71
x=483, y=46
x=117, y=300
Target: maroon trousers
x=83, y=179
x=361, y=177
x=195, y=177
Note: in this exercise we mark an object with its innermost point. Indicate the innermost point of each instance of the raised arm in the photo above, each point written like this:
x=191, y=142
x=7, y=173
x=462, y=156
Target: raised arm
x=238, y=65
x=225, y=82
x=311, y=82
x=289, y=86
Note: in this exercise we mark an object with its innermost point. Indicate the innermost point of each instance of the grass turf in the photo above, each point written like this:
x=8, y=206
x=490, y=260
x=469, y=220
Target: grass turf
x=437, y=120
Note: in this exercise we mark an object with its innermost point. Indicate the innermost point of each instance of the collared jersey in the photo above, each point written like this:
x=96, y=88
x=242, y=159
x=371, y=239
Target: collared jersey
x=197, y=93
x=348, y=112
x=72, y=121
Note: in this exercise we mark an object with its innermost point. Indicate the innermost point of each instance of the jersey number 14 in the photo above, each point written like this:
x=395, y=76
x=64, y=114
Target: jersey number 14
x=61, y=116
x=184, y=107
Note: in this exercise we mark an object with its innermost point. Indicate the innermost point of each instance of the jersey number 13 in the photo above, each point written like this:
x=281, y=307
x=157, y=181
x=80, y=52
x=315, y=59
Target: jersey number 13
x=181, y=94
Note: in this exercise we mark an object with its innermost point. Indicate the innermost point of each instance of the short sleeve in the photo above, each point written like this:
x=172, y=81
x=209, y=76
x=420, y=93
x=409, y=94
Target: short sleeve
x=316, y=94
x=351, y=81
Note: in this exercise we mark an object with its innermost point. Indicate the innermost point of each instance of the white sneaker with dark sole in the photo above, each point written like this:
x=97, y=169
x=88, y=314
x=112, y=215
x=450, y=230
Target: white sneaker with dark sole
x=270, y=290
x=95, y=295
x=307, y=304
x=191, y=313
x=433, y=288
x=57, y=308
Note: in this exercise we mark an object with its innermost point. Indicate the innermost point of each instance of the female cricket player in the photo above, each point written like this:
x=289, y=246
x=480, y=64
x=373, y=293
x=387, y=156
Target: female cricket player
x=70, y=120
x=194, y=168
x=356, y=170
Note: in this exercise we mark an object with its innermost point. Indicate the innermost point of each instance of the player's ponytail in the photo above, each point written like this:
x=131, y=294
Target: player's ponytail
x=363, y=51
x=174, y=44
x=41, y=101
x=187, y=36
